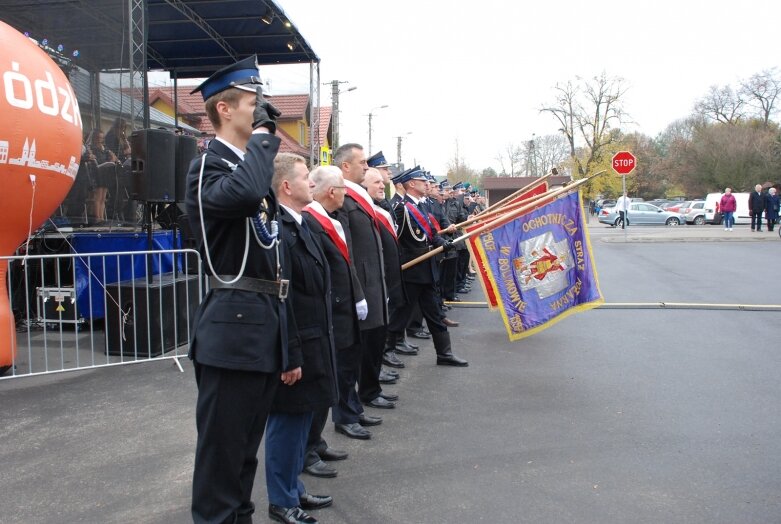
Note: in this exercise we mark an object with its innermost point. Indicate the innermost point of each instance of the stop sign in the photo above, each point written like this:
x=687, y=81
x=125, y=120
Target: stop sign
x=624, y=162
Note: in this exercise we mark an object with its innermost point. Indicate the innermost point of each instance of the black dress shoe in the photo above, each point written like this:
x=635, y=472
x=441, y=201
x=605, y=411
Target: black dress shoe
x=463, y=290
x=403, y=348
x=393, y=397
x=451, y=360
x=290, y=515
x=332, y=454
x=410, y=344
x=368, y=420
x=450, y=323
x=390, y=372
x=420, y=333
x=380, y=403
x=353, y=430
x=455, y=299
x=389, y=359
x=388, y=380
x=321, y=469
x=315, y=501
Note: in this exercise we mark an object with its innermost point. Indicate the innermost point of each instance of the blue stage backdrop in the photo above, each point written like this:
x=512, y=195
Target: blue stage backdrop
x=90, y=292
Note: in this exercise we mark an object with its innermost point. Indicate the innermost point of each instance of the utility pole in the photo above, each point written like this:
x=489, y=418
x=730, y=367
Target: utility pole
x=398, y=146
x=335, y=107
x=370, y=125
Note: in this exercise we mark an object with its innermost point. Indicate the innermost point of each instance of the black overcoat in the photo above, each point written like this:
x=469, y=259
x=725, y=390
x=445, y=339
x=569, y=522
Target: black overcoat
x=345, y=289
x=310, y=296
x=363, y=239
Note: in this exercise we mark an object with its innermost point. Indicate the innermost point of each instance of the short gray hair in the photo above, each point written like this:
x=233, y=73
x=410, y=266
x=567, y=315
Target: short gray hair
x=345, y=153
x=325, y=177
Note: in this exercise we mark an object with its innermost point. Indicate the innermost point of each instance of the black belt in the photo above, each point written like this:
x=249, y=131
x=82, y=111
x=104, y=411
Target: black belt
x=277, y=288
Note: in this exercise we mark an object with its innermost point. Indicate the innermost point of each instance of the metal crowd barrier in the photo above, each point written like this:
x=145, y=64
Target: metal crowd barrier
x=87, y=310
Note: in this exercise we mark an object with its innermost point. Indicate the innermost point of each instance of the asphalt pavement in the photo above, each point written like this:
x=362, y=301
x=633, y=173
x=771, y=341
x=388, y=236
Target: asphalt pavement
x=609, y=416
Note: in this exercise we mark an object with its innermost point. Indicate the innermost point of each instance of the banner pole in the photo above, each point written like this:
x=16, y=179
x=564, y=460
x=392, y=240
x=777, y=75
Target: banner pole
x=493, y=207
x=555, y=194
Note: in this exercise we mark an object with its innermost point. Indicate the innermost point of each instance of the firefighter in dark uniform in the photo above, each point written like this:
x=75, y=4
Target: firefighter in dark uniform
x=239, y=342
x=417, y=236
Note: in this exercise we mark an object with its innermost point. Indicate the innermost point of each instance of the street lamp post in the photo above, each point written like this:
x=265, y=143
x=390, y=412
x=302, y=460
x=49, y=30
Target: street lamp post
x=335, y=91
x=370, y=125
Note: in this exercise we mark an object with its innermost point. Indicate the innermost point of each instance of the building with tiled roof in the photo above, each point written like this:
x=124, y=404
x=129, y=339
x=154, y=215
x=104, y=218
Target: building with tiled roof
x=292, y=125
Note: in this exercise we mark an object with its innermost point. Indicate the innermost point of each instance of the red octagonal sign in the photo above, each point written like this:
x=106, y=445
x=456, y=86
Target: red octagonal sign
x=624, y=162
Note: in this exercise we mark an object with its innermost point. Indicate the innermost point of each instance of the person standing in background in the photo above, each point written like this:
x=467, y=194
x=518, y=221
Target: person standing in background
x=727, y=207
x=771, y=208
x=622, y=206
x=756, y=206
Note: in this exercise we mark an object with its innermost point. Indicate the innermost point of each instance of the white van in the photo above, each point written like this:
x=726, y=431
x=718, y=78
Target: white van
x=713, y=216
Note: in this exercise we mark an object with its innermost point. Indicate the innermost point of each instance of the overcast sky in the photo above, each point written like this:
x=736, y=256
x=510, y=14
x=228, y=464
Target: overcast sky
x=479, y=71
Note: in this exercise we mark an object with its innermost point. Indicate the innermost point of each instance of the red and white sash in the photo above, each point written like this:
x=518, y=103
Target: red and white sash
x=385, y=220
x=362, y=198
x=332, y=227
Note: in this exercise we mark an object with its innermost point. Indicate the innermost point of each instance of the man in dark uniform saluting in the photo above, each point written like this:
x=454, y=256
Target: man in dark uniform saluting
x=239, y=343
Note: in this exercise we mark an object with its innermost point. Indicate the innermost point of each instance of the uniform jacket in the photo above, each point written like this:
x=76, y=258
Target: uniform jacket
x=456, y=213
x=310, y=297
x=392, y=263
x=363, y=238
x=756, y=202
x=345, y=288
x=413, y=242
x=236, y=329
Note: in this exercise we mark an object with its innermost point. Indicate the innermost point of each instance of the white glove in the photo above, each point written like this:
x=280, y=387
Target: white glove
x=362, y=308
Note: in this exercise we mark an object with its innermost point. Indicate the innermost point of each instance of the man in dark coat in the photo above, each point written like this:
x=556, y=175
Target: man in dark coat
x=362, y=230
x=416, y=237
x=294, y=406
x=756, y=206
x=393, y=283
x=239, y=343
x=346, y=292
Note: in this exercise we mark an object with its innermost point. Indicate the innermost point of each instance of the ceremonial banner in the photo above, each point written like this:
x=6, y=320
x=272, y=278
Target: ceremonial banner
x=541, y=267
x=472, y=244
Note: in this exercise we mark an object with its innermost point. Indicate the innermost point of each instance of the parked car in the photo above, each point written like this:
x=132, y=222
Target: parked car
x=641, y=213
x=694, y=212
x=676, y=207
x=607, y=202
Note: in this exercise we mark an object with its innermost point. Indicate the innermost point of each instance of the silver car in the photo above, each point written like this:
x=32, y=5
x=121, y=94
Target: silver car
x=694, y=212
x=641, y=213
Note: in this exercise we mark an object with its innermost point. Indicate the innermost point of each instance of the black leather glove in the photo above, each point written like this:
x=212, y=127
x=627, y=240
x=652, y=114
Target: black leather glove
x=265, y=114
x=448, y=246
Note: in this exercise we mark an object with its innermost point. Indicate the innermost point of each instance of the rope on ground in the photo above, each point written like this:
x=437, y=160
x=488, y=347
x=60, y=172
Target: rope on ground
x=657, y=305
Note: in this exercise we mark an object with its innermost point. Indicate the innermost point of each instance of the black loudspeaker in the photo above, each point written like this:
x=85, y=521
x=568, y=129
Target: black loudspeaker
x=153, y=164
x=186, y=150
x=152, y=317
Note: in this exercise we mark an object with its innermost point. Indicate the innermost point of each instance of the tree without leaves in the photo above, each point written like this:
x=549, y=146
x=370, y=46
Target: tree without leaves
x=588, y=112
x=721, y=104
x=761, y=92
x=512, y=154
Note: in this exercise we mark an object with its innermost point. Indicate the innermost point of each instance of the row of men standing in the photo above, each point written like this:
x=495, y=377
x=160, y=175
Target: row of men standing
x=304, y=298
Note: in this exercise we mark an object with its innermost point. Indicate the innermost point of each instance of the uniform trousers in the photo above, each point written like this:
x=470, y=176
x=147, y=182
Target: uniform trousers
x=230, y=416
x=425, y=296
x=286, y=435
x=448, y=281
x=462, y=266
x=348, y=364
x=372, y=348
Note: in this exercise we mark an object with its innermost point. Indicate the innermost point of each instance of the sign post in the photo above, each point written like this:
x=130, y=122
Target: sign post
x=624, y=162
